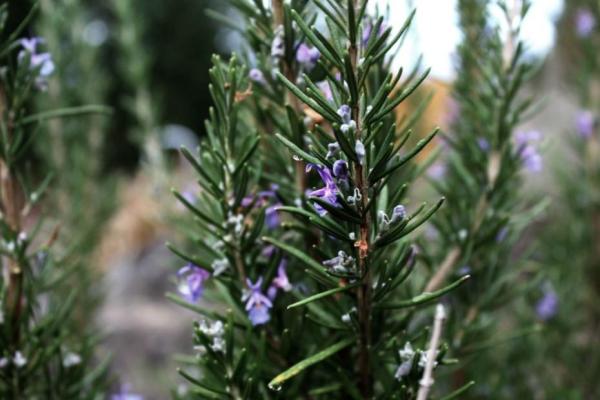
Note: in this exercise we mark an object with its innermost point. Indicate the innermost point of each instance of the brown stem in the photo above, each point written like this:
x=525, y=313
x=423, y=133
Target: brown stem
x=288, y=71
x=12, y=204
x=364, y=291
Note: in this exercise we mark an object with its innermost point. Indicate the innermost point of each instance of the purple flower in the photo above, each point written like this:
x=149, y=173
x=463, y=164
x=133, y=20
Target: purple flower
x=341, y=263
x=436, y=171
x=328, y=193
x=256, y=75
x=268, y=251
x=345, y=112
x=502, y=234
x=547, y=306
x=124, y=394
x=281, y=281
x=192, y=281
x=325, y=88
x=40, y=62
x=307, y=56
x=532, y=160
x=586, y=121
x=272, y=216
x=257, y=304
x=585, y=22
x=340, y=169
x=483, y=144
x=347, y=122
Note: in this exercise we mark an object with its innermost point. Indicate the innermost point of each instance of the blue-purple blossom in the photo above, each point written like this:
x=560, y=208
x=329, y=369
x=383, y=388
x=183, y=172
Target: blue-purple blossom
x=281, y=281
x=532, y=160
x=347, y=122
x=327, y=193
x=585, y=122
x=345, y=112
x=340, y=169
x=585, y=22
x=125, y=394
x=307, y=56
x=256, y=75
x=341, y=263
x=483, y=144
x=547, y=306
x=257, y=304
x=262, y=198
x=272, y=216
x=192, y=281
x=40, y=62
x=325, y=88
x=436, y=171
x=502, y=234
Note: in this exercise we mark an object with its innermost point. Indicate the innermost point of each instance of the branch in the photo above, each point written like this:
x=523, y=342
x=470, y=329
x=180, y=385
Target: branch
x=427, y=381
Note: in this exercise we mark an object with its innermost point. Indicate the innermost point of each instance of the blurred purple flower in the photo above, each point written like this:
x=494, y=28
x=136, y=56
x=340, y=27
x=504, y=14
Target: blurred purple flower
x=547, y=306
x=532, y=160
x=347, y=122
x=192, y=281
x=307, y=56
x=436, y=171
x=256, y=75
x=272, y=216
x=257, y=304
x=124, y=394
x=585, y=122
x=268, y=251
x=281, y=281
x=325, y=88
x=585, y=22
x=502, y=234
x=40, y=62
x=328, y=193
x=483, y=144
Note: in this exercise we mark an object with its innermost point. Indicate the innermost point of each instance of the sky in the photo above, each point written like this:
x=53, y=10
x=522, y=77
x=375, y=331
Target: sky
x=435, y=33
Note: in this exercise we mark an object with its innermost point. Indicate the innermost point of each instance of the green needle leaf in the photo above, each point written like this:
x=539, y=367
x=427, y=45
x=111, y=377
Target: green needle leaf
x=427, y=296
x=276, y=383
x=321, y=295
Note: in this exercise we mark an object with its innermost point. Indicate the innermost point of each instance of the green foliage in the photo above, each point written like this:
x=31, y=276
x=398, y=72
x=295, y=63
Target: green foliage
x=486, y=213
x=256, y=220
x=40, y=356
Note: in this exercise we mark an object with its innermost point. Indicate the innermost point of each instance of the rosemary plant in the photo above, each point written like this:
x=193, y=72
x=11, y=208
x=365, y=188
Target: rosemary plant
x=301, y=228
x=482, y=175
x=40, y=357
x=568, y=300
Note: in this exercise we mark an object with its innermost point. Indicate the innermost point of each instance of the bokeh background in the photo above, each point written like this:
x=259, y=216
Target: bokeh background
x=148, y=60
